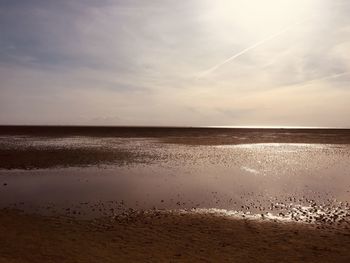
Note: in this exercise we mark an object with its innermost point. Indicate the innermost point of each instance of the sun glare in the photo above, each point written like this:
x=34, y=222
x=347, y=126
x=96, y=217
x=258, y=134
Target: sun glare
x=261, y=17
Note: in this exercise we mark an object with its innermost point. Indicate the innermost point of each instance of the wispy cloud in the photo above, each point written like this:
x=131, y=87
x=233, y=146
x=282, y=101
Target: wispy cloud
x=242, y=52
x=134, y=62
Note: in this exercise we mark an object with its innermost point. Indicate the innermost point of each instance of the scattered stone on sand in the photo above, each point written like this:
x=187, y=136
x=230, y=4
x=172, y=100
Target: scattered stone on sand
x=184, y=237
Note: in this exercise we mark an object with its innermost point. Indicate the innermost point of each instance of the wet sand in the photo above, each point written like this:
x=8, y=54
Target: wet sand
x=47, y=157
x=189, y=135
x=165, y=237
x=88, y=194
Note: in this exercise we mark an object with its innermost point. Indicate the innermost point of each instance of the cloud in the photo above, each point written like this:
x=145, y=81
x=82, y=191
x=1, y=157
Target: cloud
x=247, y=49
x=132, y=62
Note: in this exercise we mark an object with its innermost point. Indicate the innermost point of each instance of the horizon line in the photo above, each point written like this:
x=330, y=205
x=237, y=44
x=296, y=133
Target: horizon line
x=179, y=126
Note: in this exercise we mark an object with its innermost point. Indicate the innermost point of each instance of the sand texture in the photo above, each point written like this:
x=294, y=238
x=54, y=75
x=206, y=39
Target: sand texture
x=166, y=237
x=126, y=194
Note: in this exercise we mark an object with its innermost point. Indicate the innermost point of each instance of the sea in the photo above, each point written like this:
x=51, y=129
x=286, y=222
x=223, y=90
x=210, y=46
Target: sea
x=265, y=173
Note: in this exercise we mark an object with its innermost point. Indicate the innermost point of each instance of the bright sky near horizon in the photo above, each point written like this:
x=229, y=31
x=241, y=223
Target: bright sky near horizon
x=195, y=62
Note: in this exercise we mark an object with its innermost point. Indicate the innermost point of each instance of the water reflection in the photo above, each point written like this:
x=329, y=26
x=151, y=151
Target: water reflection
x=300, y=182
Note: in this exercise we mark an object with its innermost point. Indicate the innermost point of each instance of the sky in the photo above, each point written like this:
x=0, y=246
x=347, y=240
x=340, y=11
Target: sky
x=175, y=63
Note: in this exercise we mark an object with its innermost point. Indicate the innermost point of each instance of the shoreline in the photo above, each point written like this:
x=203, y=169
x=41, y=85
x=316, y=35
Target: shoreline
x=59, y=174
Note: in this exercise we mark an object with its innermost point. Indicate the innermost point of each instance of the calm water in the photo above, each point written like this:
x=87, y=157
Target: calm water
x=299, y=181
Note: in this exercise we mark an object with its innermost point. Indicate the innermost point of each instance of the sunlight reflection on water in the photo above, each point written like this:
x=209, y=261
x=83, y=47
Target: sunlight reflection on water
x=294, y=181
x=278, y=146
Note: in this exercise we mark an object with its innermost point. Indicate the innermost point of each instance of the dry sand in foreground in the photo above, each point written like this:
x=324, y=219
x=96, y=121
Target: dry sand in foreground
x=164, y=237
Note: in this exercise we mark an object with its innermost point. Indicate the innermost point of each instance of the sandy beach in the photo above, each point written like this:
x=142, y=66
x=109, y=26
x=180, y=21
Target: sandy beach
x=164, y=237
x=174, y=131
x=174, y=195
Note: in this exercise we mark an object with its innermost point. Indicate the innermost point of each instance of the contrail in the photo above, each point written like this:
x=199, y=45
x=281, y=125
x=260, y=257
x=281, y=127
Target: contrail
x=311, y=81
x=334, y=76
x=259, y=43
